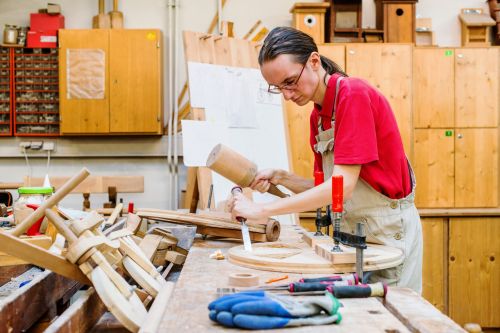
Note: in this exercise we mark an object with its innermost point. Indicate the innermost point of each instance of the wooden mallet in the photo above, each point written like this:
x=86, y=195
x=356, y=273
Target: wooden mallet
x=235, y=167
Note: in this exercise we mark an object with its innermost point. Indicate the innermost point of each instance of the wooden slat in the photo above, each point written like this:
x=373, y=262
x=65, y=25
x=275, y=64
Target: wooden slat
x=434, y=259
x=459, y=212
x=474, y=271
x=20, y=310
x=434, y=166
x=8, y=272
x=81, y=316
x=433, y=88
x=476, y=167
x=417, y=314
x=476, y=87
x=95, y=184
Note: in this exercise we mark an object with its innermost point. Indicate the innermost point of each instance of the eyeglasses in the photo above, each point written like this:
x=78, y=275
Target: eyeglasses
x=289, y=86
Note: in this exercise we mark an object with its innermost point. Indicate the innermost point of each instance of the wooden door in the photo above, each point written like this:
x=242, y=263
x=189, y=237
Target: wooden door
x=297, y=120
x=474, y=272
x=83, y=107
x=389, y=68
x=476, y=167
x=476, y=87
x=434, y=166
x=435, y=262
x=135, y=81
x=433, y=88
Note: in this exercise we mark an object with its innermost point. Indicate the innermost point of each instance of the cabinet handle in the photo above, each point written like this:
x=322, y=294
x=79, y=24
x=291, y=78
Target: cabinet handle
x=460, y=136
x=352, y=52
x=460, y=55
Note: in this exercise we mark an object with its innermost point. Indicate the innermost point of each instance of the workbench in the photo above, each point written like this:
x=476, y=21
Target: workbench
x=402, y=311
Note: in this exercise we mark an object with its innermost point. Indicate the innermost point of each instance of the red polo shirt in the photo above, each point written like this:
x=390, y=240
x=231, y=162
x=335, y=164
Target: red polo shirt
x=366, y=133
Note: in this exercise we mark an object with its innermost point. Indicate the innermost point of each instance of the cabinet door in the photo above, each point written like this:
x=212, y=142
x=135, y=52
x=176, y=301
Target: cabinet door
x=433, y=88
x=474, y=272
x=389, y=68
x=435, y=260
x=476, y=171
x=476, y=87
x=83, y=63
x=434, y=166
x=135, y=81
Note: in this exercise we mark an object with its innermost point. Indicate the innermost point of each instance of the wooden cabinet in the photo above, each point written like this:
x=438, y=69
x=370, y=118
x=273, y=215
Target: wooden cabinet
x=389, y=68
x=460, y=265
x=455, y=117
x=121, y=85
x=474, y=272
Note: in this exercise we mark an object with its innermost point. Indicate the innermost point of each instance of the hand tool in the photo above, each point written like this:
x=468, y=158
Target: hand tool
x=378, y=289
x=284, y=277
x=321, y=221
x=244, y=228
x=116, y=16
x=306, y=286
x=345, y=277
x=101, y=20
x=235, y=167
x=337, y=208
x=359, y=250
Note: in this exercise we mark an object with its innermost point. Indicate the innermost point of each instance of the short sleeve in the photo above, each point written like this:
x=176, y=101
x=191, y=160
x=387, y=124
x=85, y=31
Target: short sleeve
x=355, y=129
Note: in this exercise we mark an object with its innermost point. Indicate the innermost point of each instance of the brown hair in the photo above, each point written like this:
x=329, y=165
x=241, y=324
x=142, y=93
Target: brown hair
x=286, y=40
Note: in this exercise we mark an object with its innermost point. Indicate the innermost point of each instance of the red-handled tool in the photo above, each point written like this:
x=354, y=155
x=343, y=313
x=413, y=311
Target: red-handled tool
x=345, y=277
x=378, y=289
x=337, y=209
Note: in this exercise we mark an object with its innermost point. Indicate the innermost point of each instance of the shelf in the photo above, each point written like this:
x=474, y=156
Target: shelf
x=37, y=76
x=37, y=123
x=36, y=69
x=357, y=30
x=34, y=112
x=37, y=90
x=39, y=101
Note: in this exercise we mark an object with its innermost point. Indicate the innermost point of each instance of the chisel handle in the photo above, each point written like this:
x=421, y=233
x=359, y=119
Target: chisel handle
x=361, y=290
x=235, y=190
x=299, y=287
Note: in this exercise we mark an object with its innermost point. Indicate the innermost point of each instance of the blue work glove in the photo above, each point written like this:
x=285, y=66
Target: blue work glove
x=261, y=310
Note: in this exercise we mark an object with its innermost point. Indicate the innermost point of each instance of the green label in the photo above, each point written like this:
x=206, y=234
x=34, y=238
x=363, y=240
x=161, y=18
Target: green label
x=448, y=133
x=448, y=53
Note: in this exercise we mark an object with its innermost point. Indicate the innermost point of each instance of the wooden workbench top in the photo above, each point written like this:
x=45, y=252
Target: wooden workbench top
x=402, y=311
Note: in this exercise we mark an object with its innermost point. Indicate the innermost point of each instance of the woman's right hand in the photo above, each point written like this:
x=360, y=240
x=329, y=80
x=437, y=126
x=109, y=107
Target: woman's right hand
x=264, y=179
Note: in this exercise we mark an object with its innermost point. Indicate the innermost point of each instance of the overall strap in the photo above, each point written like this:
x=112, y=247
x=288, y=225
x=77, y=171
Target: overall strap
x=320, y=125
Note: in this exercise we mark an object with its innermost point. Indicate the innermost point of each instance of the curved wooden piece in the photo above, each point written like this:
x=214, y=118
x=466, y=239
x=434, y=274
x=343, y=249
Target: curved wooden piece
x=77, y=249
x=146, y=281
x=129, y=311
x=92, y=221
x=300, y=258
x=157, y=310
x=50, y=202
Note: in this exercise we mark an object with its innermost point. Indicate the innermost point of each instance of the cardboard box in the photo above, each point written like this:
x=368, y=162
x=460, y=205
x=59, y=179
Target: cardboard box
x=46, y=22
x=42, y=39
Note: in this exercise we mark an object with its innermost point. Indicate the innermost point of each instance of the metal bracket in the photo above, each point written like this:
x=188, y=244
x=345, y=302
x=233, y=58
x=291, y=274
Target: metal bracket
x=348, y=239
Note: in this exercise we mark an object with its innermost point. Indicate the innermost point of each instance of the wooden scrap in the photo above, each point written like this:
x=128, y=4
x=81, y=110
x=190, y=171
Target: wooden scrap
x=149, y=245
x=175, y=257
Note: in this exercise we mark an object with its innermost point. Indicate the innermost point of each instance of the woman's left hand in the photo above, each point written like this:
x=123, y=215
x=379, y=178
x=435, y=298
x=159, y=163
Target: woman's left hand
x=241, y=206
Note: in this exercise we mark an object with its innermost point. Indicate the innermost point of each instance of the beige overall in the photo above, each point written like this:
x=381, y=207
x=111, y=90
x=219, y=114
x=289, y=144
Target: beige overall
x=393, y=222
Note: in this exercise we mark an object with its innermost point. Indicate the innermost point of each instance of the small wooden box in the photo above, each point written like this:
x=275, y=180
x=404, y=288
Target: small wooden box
x=399, y=21
x=475, y=27
x=310, y=18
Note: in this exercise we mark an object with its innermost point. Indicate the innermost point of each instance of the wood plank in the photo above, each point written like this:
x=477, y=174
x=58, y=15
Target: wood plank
x=434, y=166
x=434, y=282
x=476, y=87
x=81, y=316
x=95, y=184
x=42, y=241
x=459, y=212
x=20, y=310
x=474, y=271
x=204, y=176
x=476, y=171
x=136, y=86
x=433, y=90
x=394, y=79
x=8, y=272
x=416, y=313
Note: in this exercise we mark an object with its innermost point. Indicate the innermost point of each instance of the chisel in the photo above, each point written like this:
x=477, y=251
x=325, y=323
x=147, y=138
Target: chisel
x=247, y=243
x=378, y=289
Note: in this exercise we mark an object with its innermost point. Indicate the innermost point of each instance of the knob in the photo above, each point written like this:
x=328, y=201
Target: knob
x=460, y=136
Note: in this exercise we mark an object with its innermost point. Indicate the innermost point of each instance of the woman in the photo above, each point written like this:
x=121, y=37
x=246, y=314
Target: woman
x=353, y=134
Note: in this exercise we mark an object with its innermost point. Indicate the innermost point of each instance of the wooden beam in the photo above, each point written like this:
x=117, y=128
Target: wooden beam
x=81, y=316
x=8, y=272
x=20, y=310
x=96, y=184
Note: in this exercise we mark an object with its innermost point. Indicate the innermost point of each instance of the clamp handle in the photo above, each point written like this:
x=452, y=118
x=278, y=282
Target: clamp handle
x=337, y=193
x=319, y=178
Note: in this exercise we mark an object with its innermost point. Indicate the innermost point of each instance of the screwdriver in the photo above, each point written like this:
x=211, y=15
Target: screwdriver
x=307, y=286
x=347, y=279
